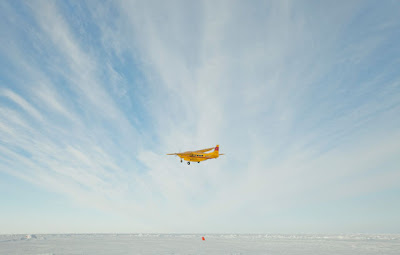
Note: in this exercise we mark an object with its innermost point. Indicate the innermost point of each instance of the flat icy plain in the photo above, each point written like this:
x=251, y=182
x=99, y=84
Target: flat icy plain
x=193, y=244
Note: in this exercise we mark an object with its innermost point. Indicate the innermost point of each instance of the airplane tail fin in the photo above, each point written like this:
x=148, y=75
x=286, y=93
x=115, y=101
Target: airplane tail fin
x=216, y=150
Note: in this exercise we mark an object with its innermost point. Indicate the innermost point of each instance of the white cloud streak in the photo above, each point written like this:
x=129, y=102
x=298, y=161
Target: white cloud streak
x=271, y=83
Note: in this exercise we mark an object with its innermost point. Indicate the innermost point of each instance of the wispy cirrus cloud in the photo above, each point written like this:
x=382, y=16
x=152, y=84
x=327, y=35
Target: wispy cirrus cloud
x=299, y=96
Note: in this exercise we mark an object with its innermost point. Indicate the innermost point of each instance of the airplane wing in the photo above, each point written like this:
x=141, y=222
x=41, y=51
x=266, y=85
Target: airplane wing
x=181, y=153
x=204, y=150
x=190, y=152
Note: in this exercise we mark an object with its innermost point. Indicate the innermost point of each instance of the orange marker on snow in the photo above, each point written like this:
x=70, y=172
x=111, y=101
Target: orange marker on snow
x=202, y=238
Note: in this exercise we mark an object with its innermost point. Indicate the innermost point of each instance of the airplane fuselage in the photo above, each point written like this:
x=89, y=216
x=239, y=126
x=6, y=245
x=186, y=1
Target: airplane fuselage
x=197, y=157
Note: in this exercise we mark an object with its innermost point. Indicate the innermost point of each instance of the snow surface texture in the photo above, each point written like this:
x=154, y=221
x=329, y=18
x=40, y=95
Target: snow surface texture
x=193, y=244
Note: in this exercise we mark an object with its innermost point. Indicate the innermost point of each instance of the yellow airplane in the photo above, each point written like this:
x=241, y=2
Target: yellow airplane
x=197, y=156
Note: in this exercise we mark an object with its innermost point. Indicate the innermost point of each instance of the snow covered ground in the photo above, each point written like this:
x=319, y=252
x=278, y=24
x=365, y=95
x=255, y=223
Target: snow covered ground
x=193, y=244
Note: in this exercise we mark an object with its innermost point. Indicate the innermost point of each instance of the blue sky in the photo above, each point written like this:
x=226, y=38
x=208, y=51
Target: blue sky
x=303, y=97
